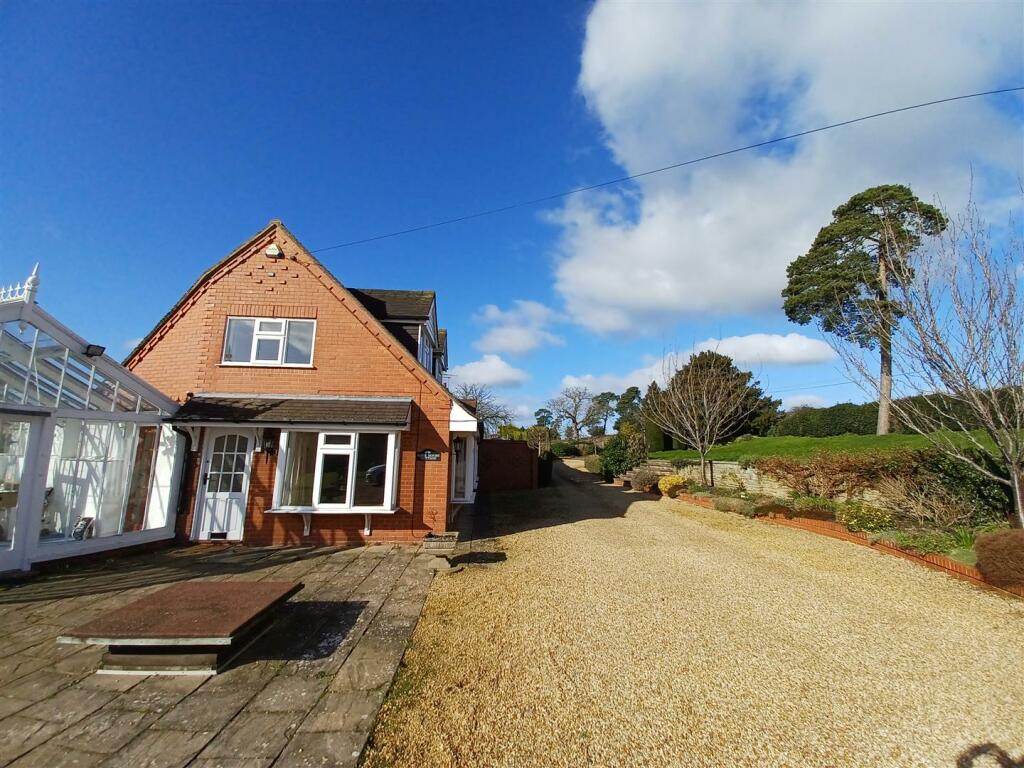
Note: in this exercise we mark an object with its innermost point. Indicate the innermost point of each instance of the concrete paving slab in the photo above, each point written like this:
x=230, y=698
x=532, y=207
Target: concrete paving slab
x=346, y=631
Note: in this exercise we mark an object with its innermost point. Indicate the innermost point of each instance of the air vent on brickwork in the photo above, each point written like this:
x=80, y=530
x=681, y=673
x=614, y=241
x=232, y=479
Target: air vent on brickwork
x=273, y=251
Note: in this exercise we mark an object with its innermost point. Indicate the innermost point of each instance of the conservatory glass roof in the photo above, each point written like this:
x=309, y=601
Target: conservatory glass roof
x=37, y=370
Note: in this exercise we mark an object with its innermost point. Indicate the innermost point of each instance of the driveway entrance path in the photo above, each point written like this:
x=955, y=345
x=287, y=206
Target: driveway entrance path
x=621, y=630
x=306, y=694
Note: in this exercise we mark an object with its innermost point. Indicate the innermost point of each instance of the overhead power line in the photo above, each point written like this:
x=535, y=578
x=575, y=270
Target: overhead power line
x=623, y=179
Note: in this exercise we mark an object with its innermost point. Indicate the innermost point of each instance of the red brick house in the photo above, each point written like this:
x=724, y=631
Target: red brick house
x=315, y=412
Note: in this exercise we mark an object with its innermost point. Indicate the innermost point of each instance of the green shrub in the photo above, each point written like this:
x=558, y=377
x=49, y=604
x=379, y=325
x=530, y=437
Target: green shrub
x=670, y=485
x=644, y=480
x=727, y=504
x=616, y=458
x=1001, y=557
x=592, y=463
x=815, y=507
x=989, y=500
x=858, y=516
x=561, y=448
x=925, y=542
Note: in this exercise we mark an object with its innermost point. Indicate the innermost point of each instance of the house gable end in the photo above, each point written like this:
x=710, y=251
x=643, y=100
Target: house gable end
x=351, y=344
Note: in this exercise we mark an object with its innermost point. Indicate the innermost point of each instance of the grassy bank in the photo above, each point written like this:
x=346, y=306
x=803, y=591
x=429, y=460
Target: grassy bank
x=801, y=447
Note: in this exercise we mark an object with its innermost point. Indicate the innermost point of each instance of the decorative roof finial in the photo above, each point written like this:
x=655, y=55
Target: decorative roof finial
x=32, y=285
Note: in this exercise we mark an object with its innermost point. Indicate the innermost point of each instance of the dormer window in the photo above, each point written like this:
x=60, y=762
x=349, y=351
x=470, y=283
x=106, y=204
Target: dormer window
x=268, y=341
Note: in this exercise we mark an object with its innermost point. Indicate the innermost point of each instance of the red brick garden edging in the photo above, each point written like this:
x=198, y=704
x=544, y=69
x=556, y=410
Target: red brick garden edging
x=947, y=565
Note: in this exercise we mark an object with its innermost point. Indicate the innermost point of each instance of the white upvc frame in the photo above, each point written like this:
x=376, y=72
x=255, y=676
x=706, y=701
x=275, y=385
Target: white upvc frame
x=352, y=450
x=257, y=334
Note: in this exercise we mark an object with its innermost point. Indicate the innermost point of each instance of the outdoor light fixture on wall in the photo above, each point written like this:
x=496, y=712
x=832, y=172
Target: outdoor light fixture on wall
x=94, y=350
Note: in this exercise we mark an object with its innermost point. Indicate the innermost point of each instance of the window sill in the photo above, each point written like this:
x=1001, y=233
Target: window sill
x=266, y=365
x=342, y=511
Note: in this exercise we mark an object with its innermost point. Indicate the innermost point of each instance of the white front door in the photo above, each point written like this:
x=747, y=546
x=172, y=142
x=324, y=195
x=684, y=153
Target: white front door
x=224, y=485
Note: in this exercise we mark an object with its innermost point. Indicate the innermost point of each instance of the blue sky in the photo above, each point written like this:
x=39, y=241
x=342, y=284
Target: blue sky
x=142, y=142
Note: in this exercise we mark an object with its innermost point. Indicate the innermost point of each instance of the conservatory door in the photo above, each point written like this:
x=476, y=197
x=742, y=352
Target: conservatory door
x=14, y=445
x=224, y=485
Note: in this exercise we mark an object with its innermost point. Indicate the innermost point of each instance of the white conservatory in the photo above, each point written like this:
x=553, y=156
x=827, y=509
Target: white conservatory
x=86, y=462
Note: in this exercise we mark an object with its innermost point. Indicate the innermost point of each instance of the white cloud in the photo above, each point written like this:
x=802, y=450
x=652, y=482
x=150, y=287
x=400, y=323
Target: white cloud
x=518, y=330
x=489, y=370
x=749, y=350
x=771, y=348
x=804, y=400
x=673, y=81
x=130, y=344
x=612, y=382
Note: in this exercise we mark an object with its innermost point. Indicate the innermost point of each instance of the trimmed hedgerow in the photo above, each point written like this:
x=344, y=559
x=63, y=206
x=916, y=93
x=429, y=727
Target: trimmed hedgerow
x=592, y=463
x=561, y=448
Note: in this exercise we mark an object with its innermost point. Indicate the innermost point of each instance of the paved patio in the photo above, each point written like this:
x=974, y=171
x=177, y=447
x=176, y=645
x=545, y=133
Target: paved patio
x=306, y=694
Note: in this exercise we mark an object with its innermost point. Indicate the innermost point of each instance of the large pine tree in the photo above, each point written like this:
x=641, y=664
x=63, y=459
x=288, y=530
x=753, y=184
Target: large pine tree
x=849, y=270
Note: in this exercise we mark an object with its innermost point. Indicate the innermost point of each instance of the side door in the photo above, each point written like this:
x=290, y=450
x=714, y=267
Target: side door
x=224, y=485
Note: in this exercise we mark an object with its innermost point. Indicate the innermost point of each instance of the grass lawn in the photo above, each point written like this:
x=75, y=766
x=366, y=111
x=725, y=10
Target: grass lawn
x=801, y=447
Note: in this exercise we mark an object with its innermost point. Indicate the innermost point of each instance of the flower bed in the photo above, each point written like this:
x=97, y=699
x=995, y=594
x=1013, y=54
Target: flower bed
x=938, y=562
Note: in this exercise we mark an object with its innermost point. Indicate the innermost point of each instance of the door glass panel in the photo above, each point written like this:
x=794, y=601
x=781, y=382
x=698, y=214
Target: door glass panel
x=226, y=472
x=13, y=442
x=459, y=448
x=139, y=482
x=334, y=478
x=371, y=470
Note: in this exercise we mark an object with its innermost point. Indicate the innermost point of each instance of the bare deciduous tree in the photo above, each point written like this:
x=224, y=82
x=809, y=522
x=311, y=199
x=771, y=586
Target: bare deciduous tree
x=704, y=400
x=572, y=406
x=960, y=351
x=489, y=409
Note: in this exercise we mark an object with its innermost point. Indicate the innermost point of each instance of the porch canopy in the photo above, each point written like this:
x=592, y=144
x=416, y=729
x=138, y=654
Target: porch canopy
x=336, y=454
x=292, y=410
x=86, y=463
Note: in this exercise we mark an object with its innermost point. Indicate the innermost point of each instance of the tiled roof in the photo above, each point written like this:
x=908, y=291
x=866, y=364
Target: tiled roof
x=442, y=339
x=282, y=409
x=395, y=305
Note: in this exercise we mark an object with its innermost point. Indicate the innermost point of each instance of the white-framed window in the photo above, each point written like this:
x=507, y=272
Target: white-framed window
x=337, y=471
x=268, y=341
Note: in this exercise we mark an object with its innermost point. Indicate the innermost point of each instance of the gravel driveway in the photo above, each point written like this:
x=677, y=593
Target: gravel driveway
x=623, y=631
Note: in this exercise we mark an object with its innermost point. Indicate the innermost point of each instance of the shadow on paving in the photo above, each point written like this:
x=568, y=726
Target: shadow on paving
x=988, y=754
x=572, y=497
x=306, y=631
x=151, y=568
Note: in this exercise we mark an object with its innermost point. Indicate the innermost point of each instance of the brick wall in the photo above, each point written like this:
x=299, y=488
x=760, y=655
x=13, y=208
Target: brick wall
x=353, y=355
x=507, y=465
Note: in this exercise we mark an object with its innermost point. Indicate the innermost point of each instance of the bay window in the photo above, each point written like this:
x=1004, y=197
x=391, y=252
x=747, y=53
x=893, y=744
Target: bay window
x=337, y=471
x=268, y=341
